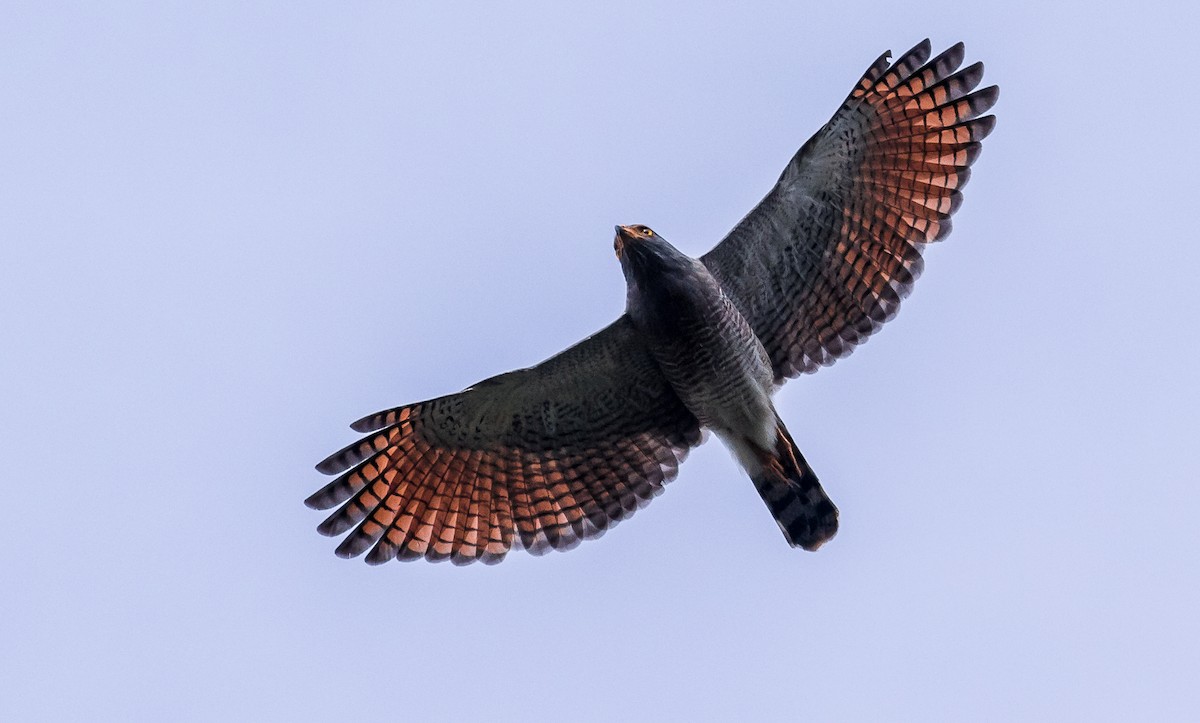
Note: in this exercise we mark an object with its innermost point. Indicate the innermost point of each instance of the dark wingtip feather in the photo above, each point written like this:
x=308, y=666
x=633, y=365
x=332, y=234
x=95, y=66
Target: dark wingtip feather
x=383, y=551
x=353, y=454
x=955, y=202
x=343, y=553
x=958, y=51
x=944, y=229
x=920, y=51
x=942, y=65
x=378, y=420
x=335, y=493
x=353, y=546
x=983, y=100
x=870, y=76
x=334, y=525
x=369, y=423
x=983, y=126
x=971, y=75
x=963, y=175
x=331, y=464
x=493, y=558
x=972, y=149
x=405, y=554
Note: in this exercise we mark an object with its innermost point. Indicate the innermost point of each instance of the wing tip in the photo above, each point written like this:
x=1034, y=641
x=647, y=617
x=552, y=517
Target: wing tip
x=922, y=50
x=983, y=99
x=956, y=199
x=493, y=558
x=986, y=125
x=353, y=546
x=380, y=554
x=368, y=423
x=943, y=231
x=953, y=56
x=333, y=526
x=331, y=464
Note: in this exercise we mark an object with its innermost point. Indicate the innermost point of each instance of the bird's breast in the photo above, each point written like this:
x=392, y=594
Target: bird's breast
x=709, y=354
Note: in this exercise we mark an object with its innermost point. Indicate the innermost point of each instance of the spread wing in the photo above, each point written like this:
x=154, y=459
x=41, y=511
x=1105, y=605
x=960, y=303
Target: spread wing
x=539, y=458
x=825, y=259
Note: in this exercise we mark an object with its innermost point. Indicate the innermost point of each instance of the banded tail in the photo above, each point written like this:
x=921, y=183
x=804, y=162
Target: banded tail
x=793, y=494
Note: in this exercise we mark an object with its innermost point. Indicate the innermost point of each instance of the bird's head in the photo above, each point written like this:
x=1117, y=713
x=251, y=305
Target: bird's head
x=645, y=255
x=659, y=278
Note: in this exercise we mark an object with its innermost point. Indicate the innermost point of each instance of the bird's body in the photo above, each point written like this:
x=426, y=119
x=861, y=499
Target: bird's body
x=544, y=457
x=719, y=369
x=704, y=347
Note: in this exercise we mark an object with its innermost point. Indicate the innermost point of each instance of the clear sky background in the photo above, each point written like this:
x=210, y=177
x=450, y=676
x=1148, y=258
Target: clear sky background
x=229, y=229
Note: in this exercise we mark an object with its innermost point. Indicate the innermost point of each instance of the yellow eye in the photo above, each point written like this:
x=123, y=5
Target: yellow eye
x=645, y=231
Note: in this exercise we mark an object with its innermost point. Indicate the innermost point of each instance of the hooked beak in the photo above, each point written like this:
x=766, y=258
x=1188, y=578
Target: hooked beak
x=624, y=234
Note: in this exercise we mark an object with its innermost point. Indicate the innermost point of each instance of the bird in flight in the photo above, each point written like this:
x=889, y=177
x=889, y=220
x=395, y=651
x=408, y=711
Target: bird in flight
x=544, y=457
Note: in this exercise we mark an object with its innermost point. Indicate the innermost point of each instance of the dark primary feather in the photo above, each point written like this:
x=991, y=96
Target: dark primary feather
x=825, y=259
x=554, y=453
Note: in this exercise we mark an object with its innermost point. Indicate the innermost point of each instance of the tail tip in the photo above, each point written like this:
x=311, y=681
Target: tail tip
x=814, y=528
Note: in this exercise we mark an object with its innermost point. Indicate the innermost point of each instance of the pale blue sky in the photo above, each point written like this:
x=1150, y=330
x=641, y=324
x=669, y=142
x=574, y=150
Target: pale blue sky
x=229, y=229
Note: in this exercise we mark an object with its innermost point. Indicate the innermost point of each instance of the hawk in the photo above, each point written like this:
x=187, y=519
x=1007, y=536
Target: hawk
x=544, y=457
